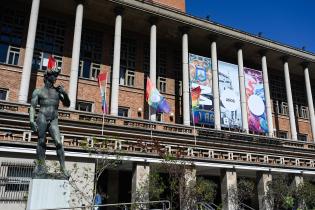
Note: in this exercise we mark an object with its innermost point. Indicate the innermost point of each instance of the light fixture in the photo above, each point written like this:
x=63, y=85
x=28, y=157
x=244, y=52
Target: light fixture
x=139, y=112
x=171, y=116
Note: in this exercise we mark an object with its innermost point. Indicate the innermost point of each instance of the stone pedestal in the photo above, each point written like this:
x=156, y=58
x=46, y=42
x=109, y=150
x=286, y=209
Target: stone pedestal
x=48, y=193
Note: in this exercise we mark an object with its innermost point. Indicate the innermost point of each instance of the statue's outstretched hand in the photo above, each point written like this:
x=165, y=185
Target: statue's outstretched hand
x=34, y=126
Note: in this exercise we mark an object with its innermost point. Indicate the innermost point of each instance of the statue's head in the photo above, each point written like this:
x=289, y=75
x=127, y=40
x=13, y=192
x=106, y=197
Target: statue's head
x=50, y=77
x=52, y=72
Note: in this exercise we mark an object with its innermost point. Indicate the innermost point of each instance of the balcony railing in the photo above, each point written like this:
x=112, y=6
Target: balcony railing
x=149, y=147
x=74, y=119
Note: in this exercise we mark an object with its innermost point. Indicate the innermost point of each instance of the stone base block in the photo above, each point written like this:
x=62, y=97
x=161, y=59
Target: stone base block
x=48, y=193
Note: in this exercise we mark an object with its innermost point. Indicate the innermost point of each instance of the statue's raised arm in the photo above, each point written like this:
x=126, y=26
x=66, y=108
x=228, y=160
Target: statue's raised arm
x=63, y=96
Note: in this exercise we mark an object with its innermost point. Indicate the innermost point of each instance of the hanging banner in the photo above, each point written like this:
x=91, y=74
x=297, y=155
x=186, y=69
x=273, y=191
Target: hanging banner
x=230, y=107
x=256, y=103
x=201, y=76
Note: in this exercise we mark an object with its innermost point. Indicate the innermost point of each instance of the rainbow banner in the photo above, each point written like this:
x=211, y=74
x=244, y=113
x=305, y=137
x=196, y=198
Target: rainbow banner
x=201, y=76
x=195, y=95
x=102, y=83
x=256, y=103
x=155, y=99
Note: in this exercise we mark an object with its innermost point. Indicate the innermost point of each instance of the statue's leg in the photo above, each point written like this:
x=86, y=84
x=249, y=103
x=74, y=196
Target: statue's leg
x=55, y=134
x=41, y=144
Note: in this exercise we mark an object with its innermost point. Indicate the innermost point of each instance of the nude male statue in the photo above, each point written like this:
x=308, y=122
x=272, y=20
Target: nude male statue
x=47, y=120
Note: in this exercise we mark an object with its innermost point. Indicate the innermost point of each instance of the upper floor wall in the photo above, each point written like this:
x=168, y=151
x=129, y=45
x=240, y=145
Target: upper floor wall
x=54, y=36
x=177, y=4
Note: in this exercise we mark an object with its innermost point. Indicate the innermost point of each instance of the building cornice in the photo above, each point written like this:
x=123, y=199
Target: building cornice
x=191, y=21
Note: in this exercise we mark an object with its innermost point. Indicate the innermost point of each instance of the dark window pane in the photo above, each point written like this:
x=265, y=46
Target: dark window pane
x=3, y=94
x=86, y=69
x=123, y=112
x=3, y=52
x=84, y=106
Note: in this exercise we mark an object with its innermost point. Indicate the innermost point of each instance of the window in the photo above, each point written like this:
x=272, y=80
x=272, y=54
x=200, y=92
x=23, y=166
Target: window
x=146, y=61
x=161, y=61
x=127, y=61
x=123, y=111
x=90, y=53
x=89, y=70
x=280, y=108
x=12, y=23
x=178, y=71
x=159, y=117
x=40, y=61
x=282, y=134
x=162, y=84
x=13, y=55
x=130, y=78
x=84, y=106
x=302, y=137
x=3, y=94
x=95, y=71
x=302, y=112
x=49, y=41
x=278, y=88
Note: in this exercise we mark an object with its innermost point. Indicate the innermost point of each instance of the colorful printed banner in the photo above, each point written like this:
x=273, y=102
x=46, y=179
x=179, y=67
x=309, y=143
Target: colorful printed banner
x=256, y=103
x=230, y=107
x=201, y=76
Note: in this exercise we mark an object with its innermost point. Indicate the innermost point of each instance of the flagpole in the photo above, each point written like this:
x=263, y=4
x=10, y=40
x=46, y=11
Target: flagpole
x=150, y=121
x=193, y=117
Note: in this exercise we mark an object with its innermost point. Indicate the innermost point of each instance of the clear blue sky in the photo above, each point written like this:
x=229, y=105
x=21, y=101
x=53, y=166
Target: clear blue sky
x=290, y=22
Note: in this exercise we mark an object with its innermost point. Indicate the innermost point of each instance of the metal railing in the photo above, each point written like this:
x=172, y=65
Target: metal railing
x=243, y=206
x=156, y=205
x=206, y=206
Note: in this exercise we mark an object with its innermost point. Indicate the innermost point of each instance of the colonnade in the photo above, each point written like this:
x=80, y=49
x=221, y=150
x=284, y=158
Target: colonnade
x=24, y=87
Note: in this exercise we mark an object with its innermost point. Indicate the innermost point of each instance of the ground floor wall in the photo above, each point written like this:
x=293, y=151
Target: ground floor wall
x=16, y=171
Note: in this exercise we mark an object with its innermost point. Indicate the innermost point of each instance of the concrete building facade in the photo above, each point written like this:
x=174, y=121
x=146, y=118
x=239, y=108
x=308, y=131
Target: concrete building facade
x=133, y=39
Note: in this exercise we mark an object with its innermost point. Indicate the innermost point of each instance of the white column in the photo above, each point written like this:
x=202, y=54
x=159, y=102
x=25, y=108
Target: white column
x=29, y=50
x=153, y=62
x=186, y=108
x=140, y=181
x=228, y=189
x=242, y=89
x=75, y=55
x=215, y=86
x=310, y=100
x=267, y=95
x=296, y=182
x=116, y=65
x=263, y=180
x=290, y=100
x=187, y=201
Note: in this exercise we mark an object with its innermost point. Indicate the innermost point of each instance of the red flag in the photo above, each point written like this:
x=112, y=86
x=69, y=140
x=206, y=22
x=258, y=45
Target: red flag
x=102, y=77
x=51, y=62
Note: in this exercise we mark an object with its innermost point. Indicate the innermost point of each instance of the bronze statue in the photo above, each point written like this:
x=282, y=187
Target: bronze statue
x=48, y=98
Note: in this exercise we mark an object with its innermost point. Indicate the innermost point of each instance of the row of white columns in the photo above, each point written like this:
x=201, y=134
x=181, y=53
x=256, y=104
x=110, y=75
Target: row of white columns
x=26, y=74
x=228, y=179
